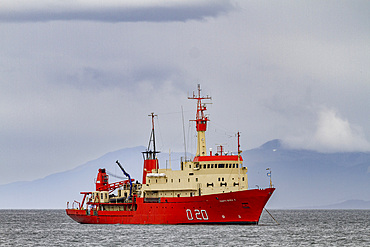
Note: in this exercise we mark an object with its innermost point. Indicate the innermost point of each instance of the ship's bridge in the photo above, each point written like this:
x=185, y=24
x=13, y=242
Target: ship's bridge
x=217, y=161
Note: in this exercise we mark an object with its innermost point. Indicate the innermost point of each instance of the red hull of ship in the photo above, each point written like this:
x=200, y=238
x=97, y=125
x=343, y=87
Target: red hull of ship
x=241, y=207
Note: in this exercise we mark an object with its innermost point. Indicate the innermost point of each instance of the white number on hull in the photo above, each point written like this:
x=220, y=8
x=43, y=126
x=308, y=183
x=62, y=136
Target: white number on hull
x=189, y=214
x=199, y=214
x=204, y=214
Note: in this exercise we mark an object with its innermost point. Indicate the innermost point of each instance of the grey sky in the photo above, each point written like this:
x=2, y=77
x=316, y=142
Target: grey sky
x=78, y=78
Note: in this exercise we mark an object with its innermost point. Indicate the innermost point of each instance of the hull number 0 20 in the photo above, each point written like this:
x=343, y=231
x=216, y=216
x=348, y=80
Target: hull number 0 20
x=197, y=215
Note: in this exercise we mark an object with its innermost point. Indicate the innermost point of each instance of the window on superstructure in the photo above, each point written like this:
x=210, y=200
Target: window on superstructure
x=171, y=180
x=189, y=166
x=227, y=166
x=208, y=166
x=188, y=180
x=204, y=166
x=196, y=179
x=179, y=180
x=219, y=179
x=156, y=181
x=211, y=165
x=233, y=165
x=101, y=196
x=215, y=165
x=222, y=179
x=221, y=165
x=237, y=165
x=243, y=178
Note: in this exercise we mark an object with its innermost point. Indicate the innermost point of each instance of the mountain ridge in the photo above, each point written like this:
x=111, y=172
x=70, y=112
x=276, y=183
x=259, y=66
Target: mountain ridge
x=303, y=178
x=349, y=204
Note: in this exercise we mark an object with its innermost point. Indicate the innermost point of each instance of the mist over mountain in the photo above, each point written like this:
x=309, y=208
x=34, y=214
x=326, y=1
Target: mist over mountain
x=303, y=178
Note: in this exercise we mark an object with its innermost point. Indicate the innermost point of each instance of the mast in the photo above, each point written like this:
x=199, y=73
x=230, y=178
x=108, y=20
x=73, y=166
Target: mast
x=201, y=123
x=152, y=136
x=239, y=164
x=150, y=155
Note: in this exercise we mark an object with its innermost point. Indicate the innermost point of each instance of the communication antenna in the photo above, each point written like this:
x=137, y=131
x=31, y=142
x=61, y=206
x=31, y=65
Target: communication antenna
x=183, y=129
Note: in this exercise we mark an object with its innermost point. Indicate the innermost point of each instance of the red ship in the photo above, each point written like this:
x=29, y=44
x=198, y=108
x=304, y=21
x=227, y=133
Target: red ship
x=210, y=189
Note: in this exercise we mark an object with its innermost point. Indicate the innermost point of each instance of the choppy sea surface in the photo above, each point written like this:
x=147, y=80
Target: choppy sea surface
x=295, y=228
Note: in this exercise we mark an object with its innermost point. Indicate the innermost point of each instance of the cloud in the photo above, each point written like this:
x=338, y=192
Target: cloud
x=74, y=89
x=111, y=10
x=333, y=134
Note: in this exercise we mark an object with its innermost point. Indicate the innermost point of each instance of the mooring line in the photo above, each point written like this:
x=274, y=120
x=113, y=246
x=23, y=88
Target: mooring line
x=272, y=216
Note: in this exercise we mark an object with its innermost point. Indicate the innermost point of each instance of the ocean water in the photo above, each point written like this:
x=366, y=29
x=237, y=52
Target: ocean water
x=295, y=228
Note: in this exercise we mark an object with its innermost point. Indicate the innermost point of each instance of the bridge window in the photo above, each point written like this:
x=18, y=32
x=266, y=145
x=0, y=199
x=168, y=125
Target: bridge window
x=189, y=166
x=233, y=165
x=221, y=165
x=208, y=166
x=215, y=165
x=196, y=179
x=204, y=166
x=237, y=165
x=243, y=178
x=211, y=165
